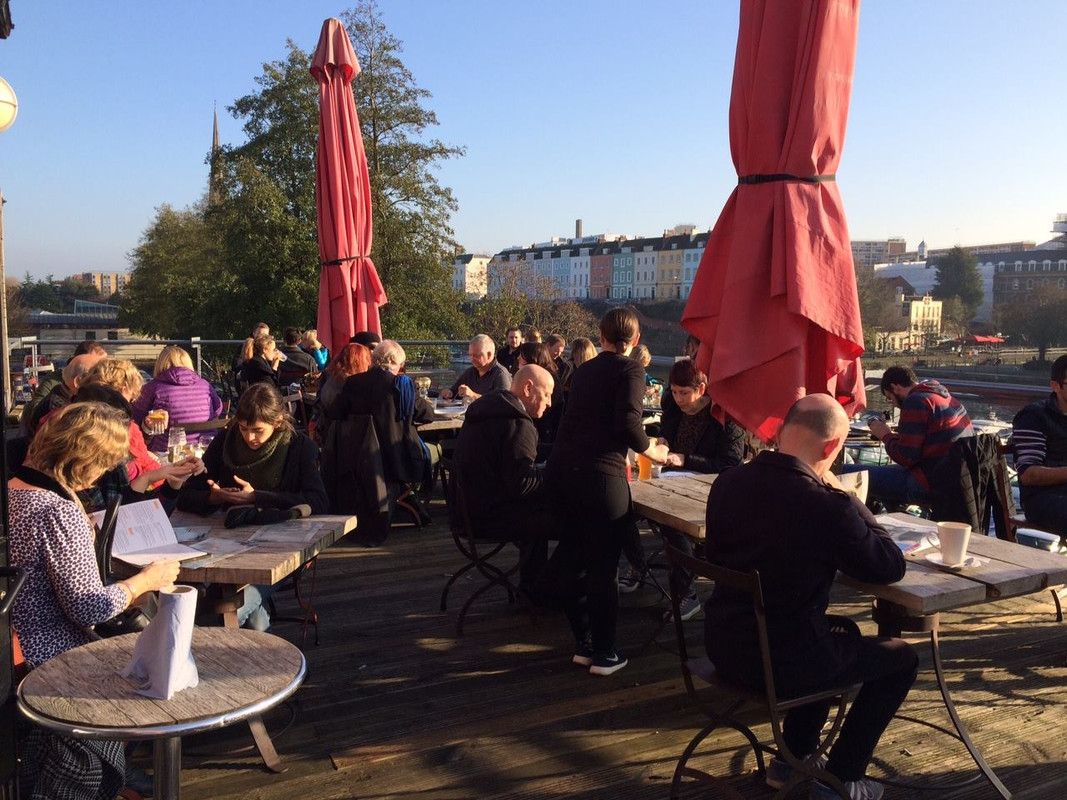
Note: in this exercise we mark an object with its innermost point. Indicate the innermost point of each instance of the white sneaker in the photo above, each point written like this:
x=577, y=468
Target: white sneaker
x=779, y=772
x=630, y=581
x=863, y=789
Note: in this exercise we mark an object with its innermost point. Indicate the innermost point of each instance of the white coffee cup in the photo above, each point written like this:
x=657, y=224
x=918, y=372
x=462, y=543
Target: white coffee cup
x=954, y=537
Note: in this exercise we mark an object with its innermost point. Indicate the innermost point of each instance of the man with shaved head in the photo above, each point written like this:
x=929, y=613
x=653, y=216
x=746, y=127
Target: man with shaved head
x=495, y=456
x=61, y=394
x=785, y=515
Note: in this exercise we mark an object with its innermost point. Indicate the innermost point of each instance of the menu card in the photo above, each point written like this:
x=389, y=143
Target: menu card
x=143, y=534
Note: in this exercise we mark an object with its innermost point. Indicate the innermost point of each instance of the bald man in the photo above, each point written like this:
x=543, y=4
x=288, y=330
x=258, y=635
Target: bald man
x=785, y=515
x=61, y=394
x=495, y=454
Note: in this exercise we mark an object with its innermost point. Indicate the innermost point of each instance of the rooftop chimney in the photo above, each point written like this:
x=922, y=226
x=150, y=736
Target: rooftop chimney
x=577, y=229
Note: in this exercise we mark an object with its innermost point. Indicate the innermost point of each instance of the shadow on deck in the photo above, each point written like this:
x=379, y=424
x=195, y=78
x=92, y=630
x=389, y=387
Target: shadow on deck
x=395, y=706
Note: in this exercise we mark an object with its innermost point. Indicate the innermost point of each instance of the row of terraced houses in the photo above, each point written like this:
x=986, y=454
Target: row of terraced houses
x=605, y=266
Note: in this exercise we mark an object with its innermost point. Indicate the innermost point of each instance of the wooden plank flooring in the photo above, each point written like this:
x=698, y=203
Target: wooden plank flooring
x=395, y=706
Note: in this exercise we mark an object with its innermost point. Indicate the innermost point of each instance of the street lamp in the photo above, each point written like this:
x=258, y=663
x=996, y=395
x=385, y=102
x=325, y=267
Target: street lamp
x=9, y=105
x=9, y=109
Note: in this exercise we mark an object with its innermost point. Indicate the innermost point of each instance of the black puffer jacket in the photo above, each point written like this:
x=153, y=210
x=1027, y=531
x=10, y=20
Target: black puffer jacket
x=495, y=454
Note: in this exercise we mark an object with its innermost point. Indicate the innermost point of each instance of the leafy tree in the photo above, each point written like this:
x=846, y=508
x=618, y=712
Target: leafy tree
x=1041, y=321
x=879, y=312
x=176, y=271
x=955, y=317
x=270, y=257
x=252, y=254
x=958, y=276
x=412, y=210
x=71, y=289
x=281, y=122
x=40, y=295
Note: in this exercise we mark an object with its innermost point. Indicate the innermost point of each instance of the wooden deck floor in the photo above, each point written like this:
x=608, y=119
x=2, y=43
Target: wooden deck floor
x=395, y=706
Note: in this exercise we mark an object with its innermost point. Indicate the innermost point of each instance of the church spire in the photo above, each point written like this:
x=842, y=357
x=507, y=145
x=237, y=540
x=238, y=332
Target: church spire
x=216, y=147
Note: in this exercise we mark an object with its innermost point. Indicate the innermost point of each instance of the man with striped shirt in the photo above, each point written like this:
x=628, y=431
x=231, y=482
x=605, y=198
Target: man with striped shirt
x=931, y=420
x=1039, y=438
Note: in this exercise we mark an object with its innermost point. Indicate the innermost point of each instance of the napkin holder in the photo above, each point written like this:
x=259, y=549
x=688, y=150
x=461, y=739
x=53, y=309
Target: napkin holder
x=163, y=656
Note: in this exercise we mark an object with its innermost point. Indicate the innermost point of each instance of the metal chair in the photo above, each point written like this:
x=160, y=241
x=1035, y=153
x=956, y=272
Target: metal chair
x=478, y=552
x=742, y=696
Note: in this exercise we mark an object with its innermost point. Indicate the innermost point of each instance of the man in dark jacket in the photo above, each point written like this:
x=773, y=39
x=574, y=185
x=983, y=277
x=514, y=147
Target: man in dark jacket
x=786, y=516
x=483, y=375
x=297, y=363
x=496, y=453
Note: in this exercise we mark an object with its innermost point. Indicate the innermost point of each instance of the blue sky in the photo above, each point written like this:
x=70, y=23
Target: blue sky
x=612, y=111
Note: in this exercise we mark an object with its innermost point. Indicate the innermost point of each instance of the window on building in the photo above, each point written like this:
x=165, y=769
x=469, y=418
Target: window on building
x=1033, y=266
x=1029, y=283
x=1046, y=265
x=90, y=336
x=1018, y=266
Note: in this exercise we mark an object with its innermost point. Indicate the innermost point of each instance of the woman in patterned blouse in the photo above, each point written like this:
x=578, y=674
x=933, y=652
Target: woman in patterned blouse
x=52, y=539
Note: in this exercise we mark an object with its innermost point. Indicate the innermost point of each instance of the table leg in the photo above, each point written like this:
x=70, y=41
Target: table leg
x=972, y=748
x=226, y=603
x=892, y=621
x=265, y=745
x=167, y=766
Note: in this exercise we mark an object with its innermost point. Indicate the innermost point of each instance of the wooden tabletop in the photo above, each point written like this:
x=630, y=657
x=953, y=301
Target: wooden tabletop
x=265, y=563
x=242, y=673
x=1011, y=570
x=679, y=502
x=449, y=423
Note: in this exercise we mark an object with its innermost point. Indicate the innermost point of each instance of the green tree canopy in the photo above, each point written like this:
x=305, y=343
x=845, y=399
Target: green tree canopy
x=1041, y=321
x=255, y=255
x=958, y=276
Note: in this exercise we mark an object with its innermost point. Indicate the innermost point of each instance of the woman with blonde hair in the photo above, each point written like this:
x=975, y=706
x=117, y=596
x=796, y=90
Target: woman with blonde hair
x=51, y=538
x=178, y=392
x=314, y=348
x=122, y=376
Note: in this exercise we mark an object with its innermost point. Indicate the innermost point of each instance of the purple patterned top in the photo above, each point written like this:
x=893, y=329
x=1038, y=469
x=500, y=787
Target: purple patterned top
x=63, y=596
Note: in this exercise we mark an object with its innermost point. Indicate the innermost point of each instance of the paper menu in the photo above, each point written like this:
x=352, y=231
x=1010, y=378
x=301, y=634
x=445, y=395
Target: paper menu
x=143, y=534
x=910, y=537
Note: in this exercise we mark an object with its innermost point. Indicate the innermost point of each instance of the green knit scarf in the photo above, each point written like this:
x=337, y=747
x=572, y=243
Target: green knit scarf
x=263, y=467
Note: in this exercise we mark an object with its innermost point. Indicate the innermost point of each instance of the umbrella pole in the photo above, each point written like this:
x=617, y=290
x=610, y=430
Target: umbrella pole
x=5, y=359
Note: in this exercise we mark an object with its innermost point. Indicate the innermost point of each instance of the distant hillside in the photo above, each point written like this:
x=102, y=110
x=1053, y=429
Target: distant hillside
x=661, y=328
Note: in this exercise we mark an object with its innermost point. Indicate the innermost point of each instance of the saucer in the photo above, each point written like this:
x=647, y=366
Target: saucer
x=935, y=559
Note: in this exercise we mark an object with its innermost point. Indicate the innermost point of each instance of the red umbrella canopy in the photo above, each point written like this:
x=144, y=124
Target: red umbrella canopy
x=774, y=301
x=350, y=291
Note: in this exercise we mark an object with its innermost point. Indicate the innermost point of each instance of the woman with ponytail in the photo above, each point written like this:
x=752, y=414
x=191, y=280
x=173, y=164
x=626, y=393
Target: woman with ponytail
x=587, y=473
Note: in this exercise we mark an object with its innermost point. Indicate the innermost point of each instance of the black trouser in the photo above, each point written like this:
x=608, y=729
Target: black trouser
x=886, y=668
x=680, y=577
x=1047, y=507
x=595, y=516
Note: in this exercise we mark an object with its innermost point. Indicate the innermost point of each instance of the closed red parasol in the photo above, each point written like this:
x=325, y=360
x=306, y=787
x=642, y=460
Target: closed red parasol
x=774, y=302
x=350, y=291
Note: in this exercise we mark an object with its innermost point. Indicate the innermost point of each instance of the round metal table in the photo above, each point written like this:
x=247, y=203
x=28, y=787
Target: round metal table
x=79, y=693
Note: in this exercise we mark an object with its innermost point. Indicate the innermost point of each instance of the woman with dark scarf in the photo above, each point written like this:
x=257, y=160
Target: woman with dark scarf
x=261, y=470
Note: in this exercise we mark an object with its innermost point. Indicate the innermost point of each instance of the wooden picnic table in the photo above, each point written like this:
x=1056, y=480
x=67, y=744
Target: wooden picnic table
x=265, y=563
x=912, y=604
x=80, y=694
